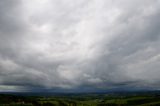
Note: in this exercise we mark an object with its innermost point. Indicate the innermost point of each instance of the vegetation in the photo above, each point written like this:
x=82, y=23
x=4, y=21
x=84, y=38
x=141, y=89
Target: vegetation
x=81, y=100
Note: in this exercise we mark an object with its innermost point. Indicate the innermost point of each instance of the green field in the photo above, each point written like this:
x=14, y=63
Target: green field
x=81, y=100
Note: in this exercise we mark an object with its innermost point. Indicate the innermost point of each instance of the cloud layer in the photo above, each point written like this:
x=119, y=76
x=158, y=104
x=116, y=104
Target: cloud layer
x=69, y=44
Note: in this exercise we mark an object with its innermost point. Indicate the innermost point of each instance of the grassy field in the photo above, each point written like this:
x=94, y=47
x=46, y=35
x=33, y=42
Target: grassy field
x=81, y=100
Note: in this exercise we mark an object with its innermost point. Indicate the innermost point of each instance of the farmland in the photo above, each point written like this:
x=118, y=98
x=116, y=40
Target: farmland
x=114, y=99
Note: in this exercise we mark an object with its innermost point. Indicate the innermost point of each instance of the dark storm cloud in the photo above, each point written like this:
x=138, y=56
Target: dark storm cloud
x=79, y=44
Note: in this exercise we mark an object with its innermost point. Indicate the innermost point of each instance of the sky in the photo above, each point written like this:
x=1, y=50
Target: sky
x=79, y=45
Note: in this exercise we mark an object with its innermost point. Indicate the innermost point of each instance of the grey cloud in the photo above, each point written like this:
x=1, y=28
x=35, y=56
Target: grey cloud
x=75, y=44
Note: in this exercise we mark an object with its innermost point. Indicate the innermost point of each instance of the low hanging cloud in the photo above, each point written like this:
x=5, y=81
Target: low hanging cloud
x=70, y=44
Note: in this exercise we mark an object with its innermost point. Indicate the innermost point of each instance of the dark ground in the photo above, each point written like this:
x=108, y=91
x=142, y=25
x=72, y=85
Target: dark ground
x=147, y=98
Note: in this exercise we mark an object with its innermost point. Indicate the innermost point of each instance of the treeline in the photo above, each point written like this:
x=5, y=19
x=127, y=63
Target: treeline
x=95, y=100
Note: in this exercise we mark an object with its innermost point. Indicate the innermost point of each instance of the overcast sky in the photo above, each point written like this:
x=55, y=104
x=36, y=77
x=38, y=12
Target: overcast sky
x=73, y=44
